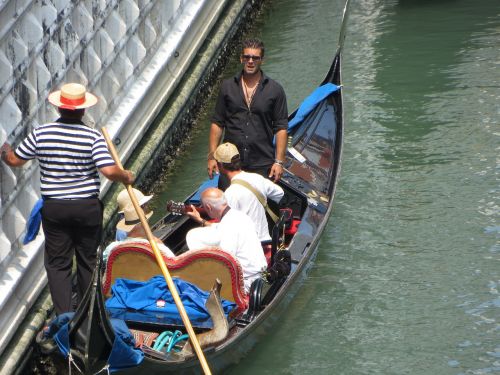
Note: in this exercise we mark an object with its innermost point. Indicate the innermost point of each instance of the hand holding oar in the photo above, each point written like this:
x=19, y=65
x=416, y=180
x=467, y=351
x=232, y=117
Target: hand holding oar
x=160, y=261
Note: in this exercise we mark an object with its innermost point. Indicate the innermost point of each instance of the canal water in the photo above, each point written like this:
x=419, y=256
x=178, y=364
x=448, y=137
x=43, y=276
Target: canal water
x=407, y=276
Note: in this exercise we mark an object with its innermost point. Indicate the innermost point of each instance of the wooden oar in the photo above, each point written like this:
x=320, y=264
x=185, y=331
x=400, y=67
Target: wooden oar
x=161, y=262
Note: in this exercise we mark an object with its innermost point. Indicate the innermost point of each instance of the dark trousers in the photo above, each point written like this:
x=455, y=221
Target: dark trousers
x=71, y=227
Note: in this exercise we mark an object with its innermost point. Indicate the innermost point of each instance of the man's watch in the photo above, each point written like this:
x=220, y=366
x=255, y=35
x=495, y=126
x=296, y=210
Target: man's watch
x=279, y=162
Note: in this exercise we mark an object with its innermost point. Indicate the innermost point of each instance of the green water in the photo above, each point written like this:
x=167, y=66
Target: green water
x=407, y=275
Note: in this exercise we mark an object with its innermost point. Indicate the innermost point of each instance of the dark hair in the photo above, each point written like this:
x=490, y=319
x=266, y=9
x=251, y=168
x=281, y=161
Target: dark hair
x=71, y=113
x=235, y=164
x=253, y=43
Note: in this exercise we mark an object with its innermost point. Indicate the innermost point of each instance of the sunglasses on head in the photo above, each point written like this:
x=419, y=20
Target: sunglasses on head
x=247, y=58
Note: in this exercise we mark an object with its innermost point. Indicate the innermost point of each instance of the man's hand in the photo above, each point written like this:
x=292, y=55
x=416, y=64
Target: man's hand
x=5, y=148
x=129, y=178
x=9, y=157
x=214, y=138
x=276, y=172
x=194, y=214
x=212, y=168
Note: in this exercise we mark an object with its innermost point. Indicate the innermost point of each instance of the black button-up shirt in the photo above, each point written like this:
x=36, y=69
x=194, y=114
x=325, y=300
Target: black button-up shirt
x=252, y=130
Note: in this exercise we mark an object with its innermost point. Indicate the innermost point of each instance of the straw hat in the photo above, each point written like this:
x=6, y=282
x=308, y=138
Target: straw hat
x=124, y=200
x=131, y=219
x=226, y=152
x=72, y=96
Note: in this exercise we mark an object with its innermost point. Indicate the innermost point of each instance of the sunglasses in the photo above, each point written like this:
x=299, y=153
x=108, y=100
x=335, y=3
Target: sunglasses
x=247, y=58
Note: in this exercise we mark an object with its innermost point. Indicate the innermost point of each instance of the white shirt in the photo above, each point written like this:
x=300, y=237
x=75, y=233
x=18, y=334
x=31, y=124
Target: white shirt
x=238, y=237
x=242, y=199
x=235, y=234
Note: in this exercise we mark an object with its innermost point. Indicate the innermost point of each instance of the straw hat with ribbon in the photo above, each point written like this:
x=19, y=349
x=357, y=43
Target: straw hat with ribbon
x=131, y=219
x=72, y=96
x=123, y=199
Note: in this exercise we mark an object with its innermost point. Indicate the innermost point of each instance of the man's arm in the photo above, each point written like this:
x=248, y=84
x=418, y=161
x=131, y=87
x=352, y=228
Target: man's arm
x=213, y=141
x=9, y=156
x=115, y=173
x=281, y=139
x=273, y=190
x=195, y=215
x=277, y=168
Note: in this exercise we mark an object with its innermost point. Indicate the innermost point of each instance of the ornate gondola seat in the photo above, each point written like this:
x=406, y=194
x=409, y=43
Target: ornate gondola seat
x=201, y=267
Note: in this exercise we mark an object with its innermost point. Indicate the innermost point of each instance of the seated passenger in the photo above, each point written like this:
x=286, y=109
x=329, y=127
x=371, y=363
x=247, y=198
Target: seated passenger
x=132, y=226
x=234, y=233
x=248, y=192
x=123, y=200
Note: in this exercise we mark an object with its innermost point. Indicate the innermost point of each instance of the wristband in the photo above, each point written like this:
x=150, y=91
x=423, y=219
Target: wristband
x=279, y=162
x=210, y=156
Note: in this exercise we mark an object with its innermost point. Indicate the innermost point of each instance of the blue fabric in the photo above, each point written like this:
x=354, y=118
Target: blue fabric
x=34, y=221
x=196, y=198
x=144, y=316
x=123, y=352
x=144, y=295
x=311, y=102
x=59, y=329
x=120, y=235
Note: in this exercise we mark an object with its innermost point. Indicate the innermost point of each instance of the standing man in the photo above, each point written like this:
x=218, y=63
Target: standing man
x=70, y=154
x=251, y=110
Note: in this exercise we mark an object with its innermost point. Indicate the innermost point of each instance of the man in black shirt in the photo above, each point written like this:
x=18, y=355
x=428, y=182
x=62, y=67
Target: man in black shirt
x=251, y=111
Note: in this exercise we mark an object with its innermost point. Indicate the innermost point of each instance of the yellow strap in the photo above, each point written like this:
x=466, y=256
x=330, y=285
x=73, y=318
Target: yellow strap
x=258, y=195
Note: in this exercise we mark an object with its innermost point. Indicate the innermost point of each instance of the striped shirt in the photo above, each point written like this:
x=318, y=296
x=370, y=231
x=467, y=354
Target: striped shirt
x=69, y=153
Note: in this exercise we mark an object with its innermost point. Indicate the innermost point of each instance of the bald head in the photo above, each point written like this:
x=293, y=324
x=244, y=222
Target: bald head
x=214, y=201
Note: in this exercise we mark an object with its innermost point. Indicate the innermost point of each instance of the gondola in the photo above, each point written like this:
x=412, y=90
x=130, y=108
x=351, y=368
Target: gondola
x=312, y=169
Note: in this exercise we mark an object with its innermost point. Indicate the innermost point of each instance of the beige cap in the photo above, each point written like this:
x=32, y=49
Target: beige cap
x=124, y=200
x=72, y=96
x=226, y=152
x=131, y=219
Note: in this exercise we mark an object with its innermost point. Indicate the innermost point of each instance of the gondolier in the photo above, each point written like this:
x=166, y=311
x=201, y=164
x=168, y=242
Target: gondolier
x=252, y=111
x=70, y=154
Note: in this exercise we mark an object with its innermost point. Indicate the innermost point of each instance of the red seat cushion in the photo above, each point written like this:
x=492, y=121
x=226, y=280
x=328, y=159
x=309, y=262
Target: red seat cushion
x=293, y=227
x=136, y=261
x=267, y=253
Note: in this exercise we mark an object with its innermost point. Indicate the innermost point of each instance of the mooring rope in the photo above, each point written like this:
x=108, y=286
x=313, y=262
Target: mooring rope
x=72, y=361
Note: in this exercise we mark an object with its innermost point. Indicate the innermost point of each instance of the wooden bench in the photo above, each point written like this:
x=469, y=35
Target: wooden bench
x=136, y=261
